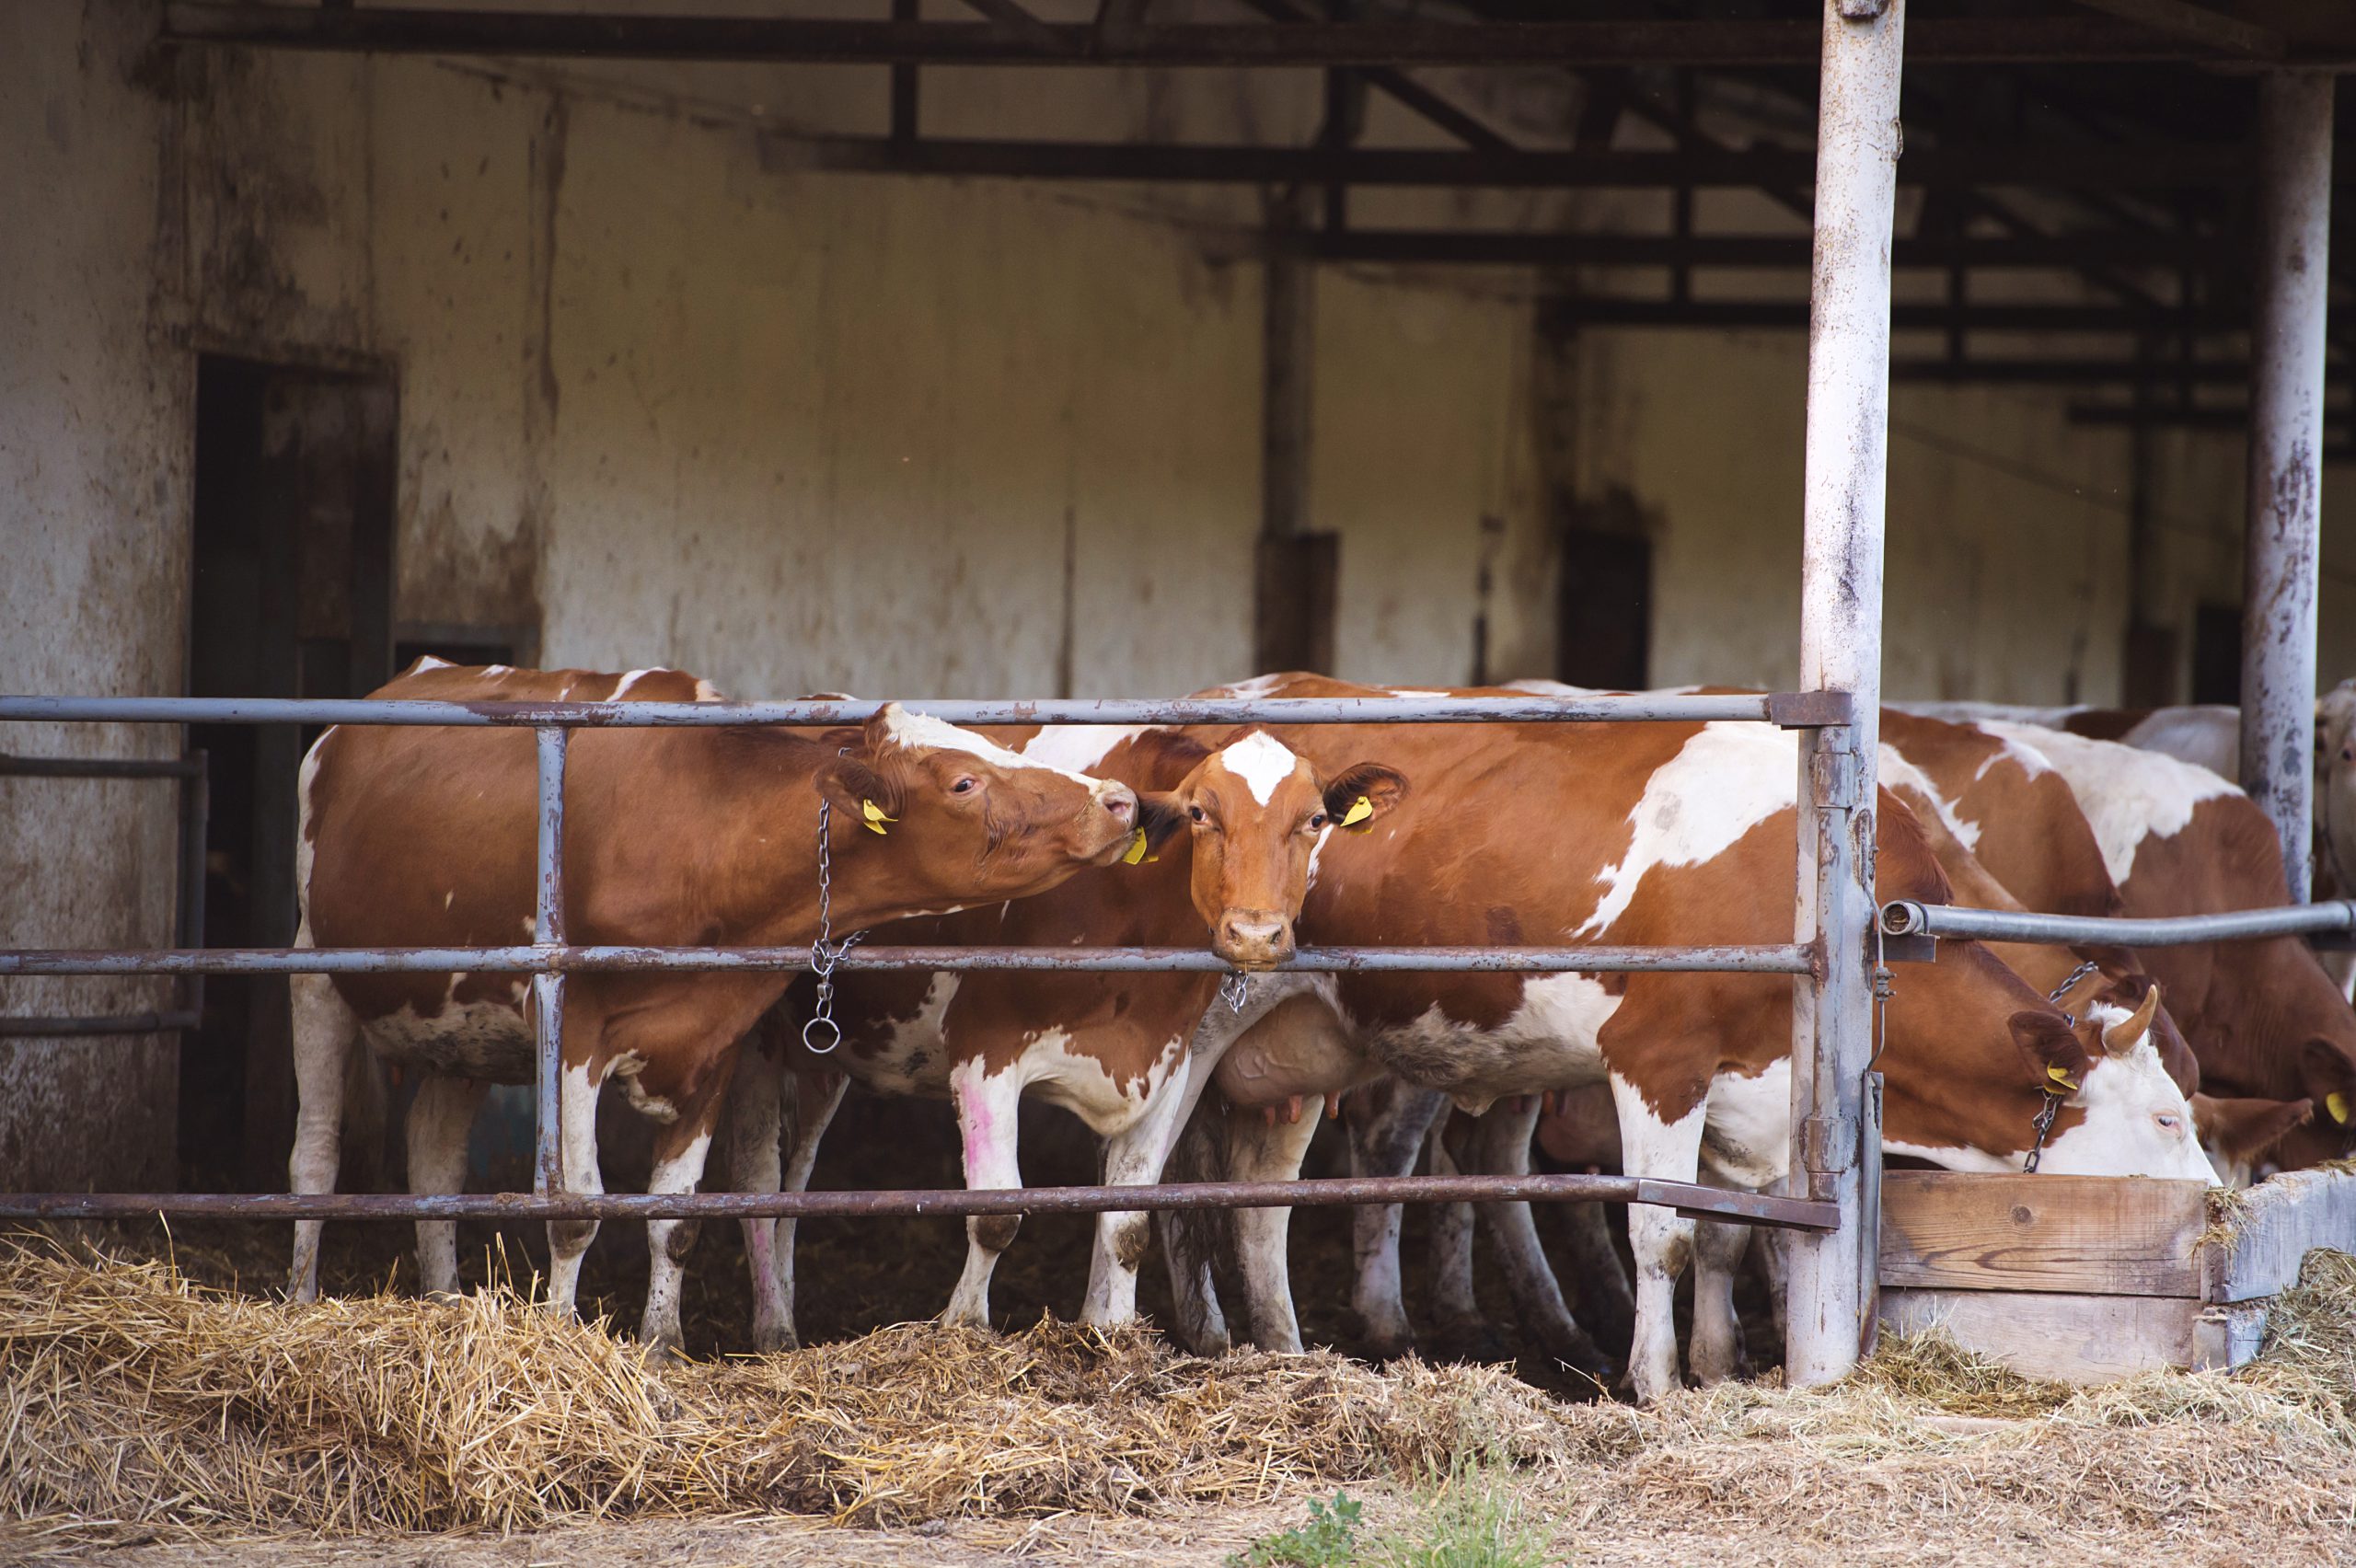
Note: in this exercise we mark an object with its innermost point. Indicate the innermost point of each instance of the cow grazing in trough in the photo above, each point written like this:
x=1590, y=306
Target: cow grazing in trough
x=1123, y=1052
x=680, y=837
x=2265, y=1020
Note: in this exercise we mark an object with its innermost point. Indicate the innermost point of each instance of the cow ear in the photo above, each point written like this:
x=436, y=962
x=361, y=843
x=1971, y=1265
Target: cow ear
x=1159, y=815
x=2244, y=1129
x=2329, y=1078
x=1362, y=793
x=2053, y=1053
x=866, y=796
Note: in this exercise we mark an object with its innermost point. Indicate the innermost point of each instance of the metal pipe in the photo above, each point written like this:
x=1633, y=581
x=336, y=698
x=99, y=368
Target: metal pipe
x=101, y=767
x=1908, y=917
x=1832, y=1298
x=548, y=986
x=1785, y=957
x=1687, y=1197
x=2285, y=483
x=1791, y=710
x=119, y=1023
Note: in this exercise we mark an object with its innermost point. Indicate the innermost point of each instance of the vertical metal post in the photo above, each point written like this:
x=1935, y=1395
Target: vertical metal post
x=1831, y=1303
x=2286, y=459
x=547, y=986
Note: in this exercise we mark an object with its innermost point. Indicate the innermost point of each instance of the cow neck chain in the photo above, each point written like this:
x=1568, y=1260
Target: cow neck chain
x=825, y=953
x=1234, y=989
x=2043, y=1119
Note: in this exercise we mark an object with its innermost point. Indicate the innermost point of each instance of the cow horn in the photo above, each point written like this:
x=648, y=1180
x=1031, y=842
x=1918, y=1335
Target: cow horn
x=2124, y=1035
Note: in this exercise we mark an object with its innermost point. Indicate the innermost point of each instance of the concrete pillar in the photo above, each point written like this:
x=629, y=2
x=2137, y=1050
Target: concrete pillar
x=2286, y=458
x=1831, y=1298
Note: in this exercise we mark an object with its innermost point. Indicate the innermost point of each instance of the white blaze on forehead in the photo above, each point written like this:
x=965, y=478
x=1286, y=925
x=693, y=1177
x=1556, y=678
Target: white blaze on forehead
x=1079, y=746
x=2128, y=795
x=1721, y=783
x=1262, y=761
x=922, y=731
x=2124, y=1097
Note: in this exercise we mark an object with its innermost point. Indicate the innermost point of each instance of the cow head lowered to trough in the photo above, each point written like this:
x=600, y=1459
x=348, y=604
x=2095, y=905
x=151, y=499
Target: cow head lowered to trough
x=1256, y=812
x=934, y=817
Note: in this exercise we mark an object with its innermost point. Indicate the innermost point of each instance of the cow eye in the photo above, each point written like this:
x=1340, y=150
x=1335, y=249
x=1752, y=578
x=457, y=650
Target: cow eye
x=1195, y=813
x=1316, y=821
x=2167, y=1124
x=965, y=786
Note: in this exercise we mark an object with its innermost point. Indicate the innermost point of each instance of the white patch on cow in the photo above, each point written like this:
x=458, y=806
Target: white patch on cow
x=2026, y=757
x=1549, y=1041
x=481, y=1039
x=1416, y=692
x=1262, y=761
x=1900, y=774
x=449, y=897
x=1723, y=782
x=1317, y=849
x=531, y=923
x=306, y=776
x=910, y=1055
x=706, y=691
x=2137, y=1124
x=1258, y=686
x=1077, y=1081
x=495, y=669
x=2207, y=736
x=621, y=689
x=922, y=731
x=1971, y=1161
x=1078, y=747
x=1748, y=1139
x=627, y=1068
x=429, y=661
x=2128, y=795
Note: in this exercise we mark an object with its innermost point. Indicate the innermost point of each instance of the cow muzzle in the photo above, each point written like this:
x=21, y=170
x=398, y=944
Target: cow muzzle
x=1115, y=814
x=1253, y=939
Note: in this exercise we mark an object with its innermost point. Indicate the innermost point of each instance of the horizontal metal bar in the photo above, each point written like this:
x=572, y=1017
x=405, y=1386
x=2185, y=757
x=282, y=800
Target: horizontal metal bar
x=1686, y=1197
x=1624, y=42
x=1789, y=709
x=1907, y=918
x=99, y=767
x=2085, y=165
x=119, y=1023
x=1782, y=958
x=2121, y=371
x=1772, y=251
x=1728, y=315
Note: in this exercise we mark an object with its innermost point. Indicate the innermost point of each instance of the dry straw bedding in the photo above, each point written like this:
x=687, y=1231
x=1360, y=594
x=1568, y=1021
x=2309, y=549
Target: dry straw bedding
x=131, y=1397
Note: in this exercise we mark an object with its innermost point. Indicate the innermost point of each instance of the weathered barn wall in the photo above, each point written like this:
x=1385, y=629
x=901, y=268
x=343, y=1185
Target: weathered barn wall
x=94, y=477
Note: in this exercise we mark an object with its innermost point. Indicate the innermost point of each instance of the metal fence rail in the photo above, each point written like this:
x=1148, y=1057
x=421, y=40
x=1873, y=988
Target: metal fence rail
x=1909, y=917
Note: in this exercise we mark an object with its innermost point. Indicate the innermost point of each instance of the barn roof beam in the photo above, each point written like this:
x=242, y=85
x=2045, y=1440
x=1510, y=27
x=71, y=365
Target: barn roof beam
x=1945, y=316
x=1400, y=87
x=1762, y=251
x=2028, y=165
x=2197, y=23
x=1953, y=40
x=2085, y=372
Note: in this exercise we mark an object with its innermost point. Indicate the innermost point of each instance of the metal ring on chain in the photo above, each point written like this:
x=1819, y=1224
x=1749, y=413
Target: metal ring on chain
x=1235, y=989
x=834, y=1029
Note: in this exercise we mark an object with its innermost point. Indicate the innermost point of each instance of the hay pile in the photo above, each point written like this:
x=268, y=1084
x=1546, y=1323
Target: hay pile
x=128, y=1395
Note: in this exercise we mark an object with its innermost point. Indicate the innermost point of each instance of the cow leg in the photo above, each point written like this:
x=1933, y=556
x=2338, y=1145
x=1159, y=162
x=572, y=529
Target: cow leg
x=440, y=1119
x=1716, y=1353
x=1605, y=1302
x=1262, y=1237
x=1134, y=1157
x=756, y=1127
x=1456, y=1305
x=680, y=1150
x=988, y=1107
x=577, y=1142
x=325, y=1031
x=1203, y=1152
x=817, y=1096
x=1662, y=1240
x=1501, y=1148
x=1385, y=1143
x=1767, y=1256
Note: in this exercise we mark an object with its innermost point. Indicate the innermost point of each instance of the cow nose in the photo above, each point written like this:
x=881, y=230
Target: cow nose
x=1119, y=798
x=1253, y=939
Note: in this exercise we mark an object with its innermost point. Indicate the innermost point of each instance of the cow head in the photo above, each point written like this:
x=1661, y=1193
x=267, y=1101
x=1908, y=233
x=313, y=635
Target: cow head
x=1257, y=813
x=936, y=817
x=2132, y=1119
x=2236, y=1134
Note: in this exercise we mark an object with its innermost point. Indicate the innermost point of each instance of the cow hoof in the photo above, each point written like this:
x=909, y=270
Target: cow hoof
x=1387, y=1346
x=771, y=1338
x=1472, y=1339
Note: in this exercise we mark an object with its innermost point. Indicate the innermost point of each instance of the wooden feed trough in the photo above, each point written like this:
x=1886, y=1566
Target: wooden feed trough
x=2089, y=1278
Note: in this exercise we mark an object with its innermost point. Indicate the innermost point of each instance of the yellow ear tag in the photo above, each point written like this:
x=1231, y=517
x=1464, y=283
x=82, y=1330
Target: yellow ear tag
x=2061, y=1076
x=1358, y=813
x=1136, y=848
x=874, y=815
x=2336, y=1103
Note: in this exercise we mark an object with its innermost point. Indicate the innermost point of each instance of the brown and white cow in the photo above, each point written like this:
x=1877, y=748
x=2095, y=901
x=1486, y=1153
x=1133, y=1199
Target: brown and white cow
x=1683, y=834
x=1123, y=1052
x=2263, y=1017
x=673, y=837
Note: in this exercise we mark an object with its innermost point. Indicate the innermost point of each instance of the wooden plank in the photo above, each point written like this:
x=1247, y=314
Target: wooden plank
x=2228, y=1336
x=2094, y=1234
x=2073, y=1338
x=2279, y=1222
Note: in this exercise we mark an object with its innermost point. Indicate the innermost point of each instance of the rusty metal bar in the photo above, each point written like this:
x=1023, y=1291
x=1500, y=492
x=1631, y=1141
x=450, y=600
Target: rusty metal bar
x=1686, y=1197
x=1766, y=958
x=824, y=41
x=18, y=1026
x=1909, y=917
x=1792, y=710
x=548, y=984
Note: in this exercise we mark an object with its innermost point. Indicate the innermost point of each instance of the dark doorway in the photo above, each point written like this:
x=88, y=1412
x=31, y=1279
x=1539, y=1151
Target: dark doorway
x=290, y=596
x=2217, y=653
x=1604, y=632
